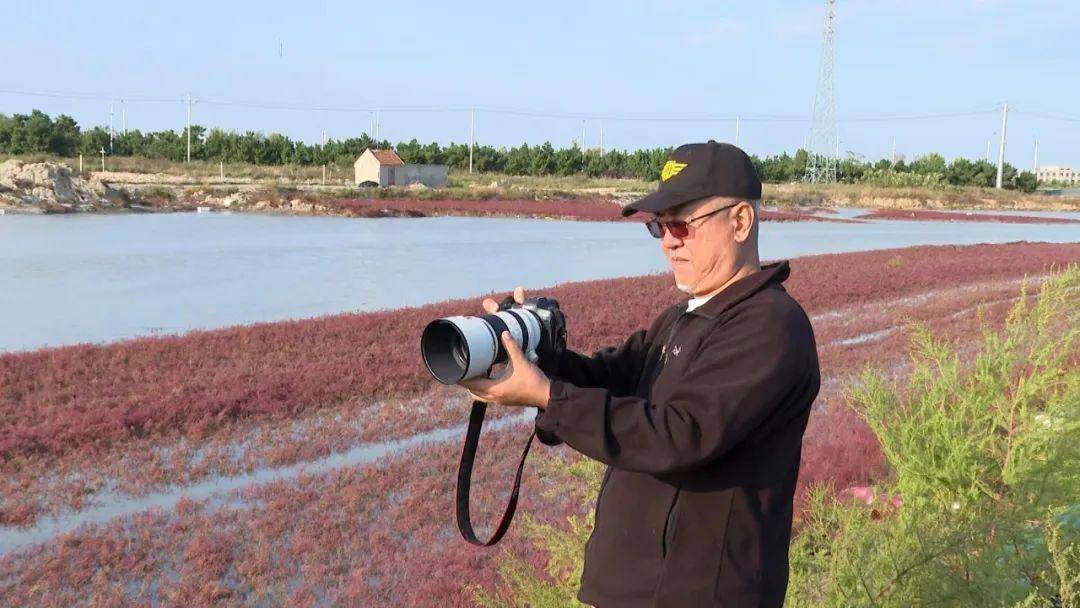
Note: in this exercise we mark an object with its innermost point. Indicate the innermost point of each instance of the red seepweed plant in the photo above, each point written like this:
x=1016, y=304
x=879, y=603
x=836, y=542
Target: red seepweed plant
x=382, y=534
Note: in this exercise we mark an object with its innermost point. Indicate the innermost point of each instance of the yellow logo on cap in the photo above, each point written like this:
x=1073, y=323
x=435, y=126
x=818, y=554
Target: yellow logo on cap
x=671, y=169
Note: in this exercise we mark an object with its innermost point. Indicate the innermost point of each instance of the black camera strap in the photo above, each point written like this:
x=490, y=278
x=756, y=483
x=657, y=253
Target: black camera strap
x=464, y=481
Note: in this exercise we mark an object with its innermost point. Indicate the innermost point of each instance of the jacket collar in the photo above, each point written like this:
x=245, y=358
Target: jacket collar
x=777, y=273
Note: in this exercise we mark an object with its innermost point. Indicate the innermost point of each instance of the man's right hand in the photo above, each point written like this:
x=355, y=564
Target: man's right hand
x=491, y=306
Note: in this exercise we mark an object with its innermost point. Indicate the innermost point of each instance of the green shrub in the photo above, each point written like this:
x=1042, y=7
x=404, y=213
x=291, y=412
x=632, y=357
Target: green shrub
x=984, y=452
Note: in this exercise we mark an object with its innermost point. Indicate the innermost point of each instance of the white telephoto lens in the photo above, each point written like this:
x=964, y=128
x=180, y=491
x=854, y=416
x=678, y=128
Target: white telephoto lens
x=514, y=318
x=479, y=342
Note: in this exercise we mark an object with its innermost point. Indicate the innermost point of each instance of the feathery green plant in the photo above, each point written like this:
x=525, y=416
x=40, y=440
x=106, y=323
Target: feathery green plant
x=984, y=450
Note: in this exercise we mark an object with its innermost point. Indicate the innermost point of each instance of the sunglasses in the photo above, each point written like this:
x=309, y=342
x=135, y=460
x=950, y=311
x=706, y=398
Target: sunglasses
x=678, y=228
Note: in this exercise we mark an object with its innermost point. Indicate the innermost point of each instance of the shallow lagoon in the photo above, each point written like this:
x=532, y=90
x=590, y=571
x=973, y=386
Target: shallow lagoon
x=94, y=278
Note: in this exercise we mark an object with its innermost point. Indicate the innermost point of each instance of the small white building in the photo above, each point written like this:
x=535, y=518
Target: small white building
x=1054, y=173
x=385, y=168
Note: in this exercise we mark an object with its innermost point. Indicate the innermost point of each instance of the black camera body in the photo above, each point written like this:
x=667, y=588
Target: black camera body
x=553, y=327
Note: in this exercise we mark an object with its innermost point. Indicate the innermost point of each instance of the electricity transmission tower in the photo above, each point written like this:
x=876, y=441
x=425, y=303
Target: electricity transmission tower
x=824, y=137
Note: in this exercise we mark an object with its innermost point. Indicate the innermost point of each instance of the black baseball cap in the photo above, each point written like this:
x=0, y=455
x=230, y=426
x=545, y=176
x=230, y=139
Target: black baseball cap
x=695, y=171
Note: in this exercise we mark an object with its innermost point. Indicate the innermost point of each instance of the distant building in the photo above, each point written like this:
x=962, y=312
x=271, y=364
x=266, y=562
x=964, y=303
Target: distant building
x=385, y=168
x=1054, y=173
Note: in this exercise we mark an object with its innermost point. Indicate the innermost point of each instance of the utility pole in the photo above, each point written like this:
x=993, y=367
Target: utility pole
x=123, y=118
x=188, y=100
x=892, y=158
x=376, y=128
x=738, y=124
x=601, y=139
x=472, y=134
x=111, y=130
x=1035, y=167
x=1001, y=145
x=987, y=157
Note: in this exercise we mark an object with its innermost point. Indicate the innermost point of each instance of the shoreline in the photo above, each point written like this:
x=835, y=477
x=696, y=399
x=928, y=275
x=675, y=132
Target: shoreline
x=55, y=188
x=557, y=209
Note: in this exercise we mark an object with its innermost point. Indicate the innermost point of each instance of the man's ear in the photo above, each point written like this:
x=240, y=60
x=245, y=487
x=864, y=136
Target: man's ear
x=744, y=216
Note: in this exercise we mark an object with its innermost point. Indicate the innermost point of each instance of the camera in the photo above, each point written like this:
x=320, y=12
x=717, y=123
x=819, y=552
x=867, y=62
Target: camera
x=464, y=347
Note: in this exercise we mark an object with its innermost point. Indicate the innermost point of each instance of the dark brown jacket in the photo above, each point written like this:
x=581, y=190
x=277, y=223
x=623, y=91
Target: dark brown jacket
x=702, y=439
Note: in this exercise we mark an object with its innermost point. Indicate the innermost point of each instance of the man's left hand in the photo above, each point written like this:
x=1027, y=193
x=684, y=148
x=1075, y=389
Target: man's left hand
x=521, y=383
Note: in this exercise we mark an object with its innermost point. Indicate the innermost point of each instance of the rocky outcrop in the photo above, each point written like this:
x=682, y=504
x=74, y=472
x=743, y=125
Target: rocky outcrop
x=52, y=188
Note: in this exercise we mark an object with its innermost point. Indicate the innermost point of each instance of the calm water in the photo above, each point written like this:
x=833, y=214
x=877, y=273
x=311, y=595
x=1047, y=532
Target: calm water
x=96, y=278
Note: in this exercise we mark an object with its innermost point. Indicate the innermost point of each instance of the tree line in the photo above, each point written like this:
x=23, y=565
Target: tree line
x=37, y=133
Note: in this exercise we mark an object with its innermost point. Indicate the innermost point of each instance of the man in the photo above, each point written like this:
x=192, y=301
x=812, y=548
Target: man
x=700, y=418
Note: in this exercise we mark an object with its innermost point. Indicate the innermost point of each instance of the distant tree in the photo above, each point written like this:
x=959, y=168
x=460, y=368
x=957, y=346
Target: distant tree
x=851, y=170
x=65, y=136
x=568, y=160
x=798, y=164
x=542, y=160
x=1026, y=181
x=93, y=140
x=595, y=165
x=38, y=133
x=410, y=152
x=929, y=164
x=518, y=160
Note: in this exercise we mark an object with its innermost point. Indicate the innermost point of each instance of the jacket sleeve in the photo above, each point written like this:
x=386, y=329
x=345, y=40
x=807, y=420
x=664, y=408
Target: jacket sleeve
x=614, y=368
x=743, y=371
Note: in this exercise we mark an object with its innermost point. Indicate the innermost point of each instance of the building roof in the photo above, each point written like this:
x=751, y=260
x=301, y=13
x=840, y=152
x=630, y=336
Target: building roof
x=387, y=157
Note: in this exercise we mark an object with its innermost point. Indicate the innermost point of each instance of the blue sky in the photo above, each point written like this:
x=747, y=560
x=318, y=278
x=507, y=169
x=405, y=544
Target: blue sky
x=615, y=59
